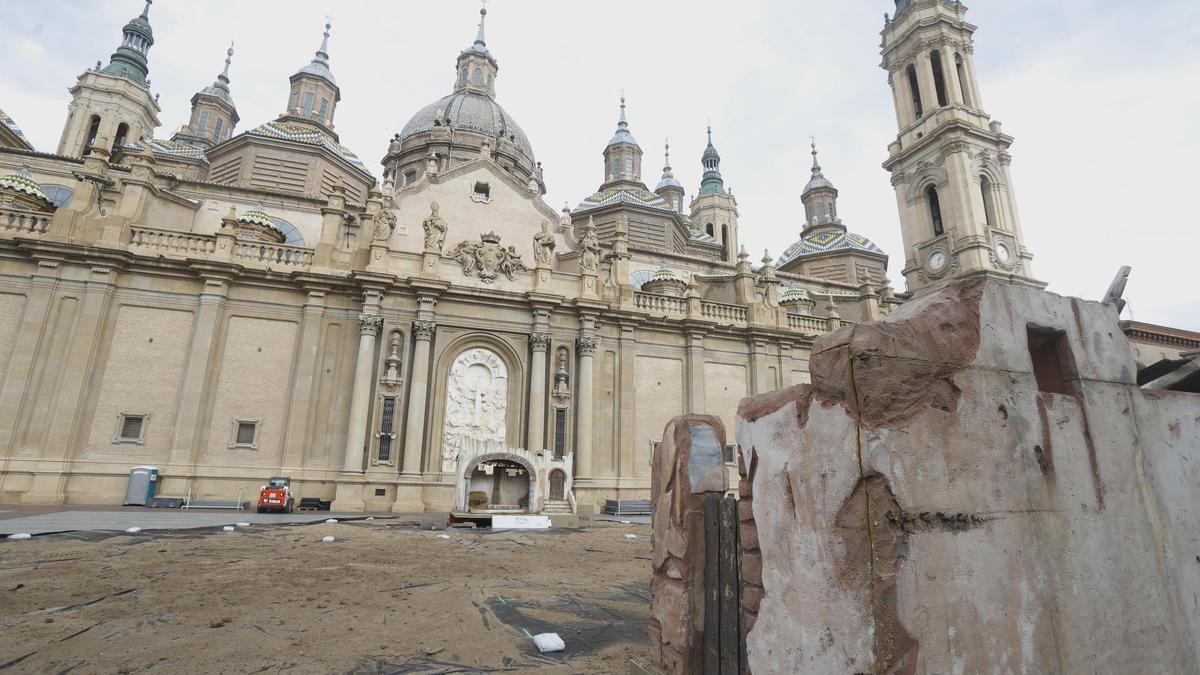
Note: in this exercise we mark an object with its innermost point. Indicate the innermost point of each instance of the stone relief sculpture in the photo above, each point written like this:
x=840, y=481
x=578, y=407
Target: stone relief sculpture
x=562, y=376
x=384, y=223
x=589, y=249
x=543, y=243
x=476, y=404
x=435, y=230
x=487, y=258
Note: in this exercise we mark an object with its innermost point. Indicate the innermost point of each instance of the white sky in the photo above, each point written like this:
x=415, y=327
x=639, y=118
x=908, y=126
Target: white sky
x=1101, y=95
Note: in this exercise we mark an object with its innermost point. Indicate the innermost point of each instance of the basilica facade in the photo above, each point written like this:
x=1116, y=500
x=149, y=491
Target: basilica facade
x=236, y=302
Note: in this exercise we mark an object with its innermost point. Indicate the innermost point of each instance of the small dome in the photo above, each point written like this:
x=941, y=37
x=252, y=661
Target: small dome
x=827, y=240
x=22, y=181
x=664, y=274
x=794, y=295
x=300, y=134
x=472, y=112
x=256, y=216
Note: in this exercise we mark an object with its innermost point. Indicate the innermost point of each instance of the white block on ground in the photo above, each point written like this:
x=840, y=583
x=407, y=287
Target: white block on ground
x=328, y=539
x=20, y=535
x=631, y=536
x=243, y=524
x=443, y=536
x=228, y=528
x=133, y=530
x=520, y=522
x=331, y=520
x=549, y=642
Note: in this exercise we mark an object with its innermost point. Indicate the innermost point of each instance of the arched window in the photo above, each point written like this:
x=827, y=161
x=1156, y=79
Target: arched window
x=202, y=123
x=93, y=130
x=939, y=77
x=629, y=166
x=709, y=229
x=218, y=128
x=477, y=77
x=462, y=76
x=914, y=88
x=323, y=111
x=122, y=133
x=725, y=235
x=989, y=200
x=962, y=80
x=935, y=211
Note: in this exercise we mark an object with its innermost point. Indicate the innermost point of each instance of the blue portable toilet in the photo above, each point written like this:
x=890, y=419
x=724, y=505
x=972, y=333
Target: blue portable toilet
x=143, y=480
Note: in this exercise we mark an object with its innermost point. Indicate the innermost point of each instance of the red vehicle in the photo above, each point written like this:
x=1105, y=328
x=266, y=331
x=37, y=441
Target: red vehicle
x=276, y=495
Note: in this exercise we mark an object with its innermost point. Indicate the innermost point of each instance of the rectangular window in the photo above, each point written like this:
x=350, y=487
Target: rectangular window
x=387, y=426
x=218, y=128
x=131, y=428
x=306, y=111
x=245, y=434
x=560, y=433
x=202, y=125
x=730, y=453
x=324, y=110
x=410, y=177
x=295, y=102
x=483, y=192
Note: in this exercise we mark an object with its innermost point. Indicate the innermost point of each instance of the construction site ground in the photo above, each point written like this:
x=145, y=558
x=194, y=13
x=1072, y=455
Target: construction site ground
x=383, y=597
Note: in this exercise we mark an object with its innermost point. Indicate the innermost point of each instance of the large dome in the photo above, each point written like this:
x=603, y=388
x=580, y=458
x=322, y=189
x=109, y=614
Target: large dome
x=468, y=111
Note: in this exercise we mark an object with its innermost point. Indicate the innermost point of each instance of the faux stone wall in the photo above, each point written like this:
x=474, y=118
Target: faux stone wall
x=923, y=507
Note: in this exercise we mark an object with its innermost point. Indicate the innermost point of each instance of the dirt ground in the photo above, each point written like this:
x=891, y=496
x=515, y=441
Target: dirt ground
x=385, y=597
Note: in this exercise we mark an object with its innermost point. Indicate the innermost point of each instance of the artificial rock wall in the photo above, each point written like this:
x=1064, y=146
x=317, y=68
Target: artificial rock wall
x=973, y=484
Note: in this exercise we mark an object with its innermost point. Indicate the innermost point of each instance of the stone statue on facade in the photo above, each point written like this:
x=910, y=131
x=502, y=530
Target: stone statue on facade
x=394, y=146
x=431, y=165
x=384, y=223
x=487, y=258
x=435, y=230
x=543, y=245
x=589, y=249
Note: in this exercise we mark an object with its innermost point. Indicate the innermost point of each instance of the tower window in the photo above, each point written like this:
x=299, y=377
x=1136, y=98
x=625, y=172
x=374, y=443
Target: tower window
x=935, y=211
x=462, y=76
x=323, y=111
x=989, y=200
x=122, y=134
x=410, y=177
x=218, y=128
x=93, y=130
x=709, y=229
x=914, y=88
x=629, y=166
x=295, y=102
x=725, y=235
x=477, y=77
x=962, y=79
x=306, y=111
x=202, y=124
x=939, y=77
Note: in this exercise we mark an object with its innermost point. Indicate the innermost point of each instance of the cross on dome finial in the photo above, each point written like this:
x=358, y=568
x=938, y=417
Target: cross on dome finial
x=479, y=39
x=816, y=167
x=228, y=60
x=623, y=123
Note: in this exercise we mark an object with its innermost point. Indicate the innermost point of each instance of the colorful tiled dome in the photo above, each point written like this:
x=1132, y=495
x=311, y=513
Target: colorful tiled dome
x=794, y=295
x=307, y=135
x=625, y=196
x=828, y=240
x=256, y=216
x=22, y=181
x=11, y=125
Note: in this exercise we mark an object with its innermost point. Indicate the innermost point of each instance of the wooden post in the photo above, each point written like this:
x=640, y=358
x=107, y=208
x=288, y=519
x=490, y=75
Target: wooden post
x=712, y=584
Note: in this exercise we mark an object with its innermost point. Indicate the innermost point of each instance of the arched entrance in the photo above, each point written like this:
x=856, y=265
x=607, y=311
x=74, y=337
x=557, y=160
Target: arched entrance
x=499, y=482
x=558, y=485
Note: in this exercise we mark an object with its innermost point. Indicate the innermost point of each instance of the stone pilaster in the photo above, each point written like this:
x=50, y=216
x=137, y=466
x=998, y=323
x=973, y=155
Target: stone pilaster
x=25, y=349
x=414, y=433
x=584, y=412
x=369, y=324
x=539, y=344
x=695, y=374
x=304, y=381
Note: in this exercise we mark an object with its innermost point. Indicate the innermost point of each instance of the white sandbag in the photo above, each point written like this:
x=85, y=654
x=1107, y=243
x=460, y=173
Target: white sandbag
x=20, y=535
x=549, y=642
x=228, y=528
x=328, y=539
x=331, y=520
x=631, y=536
x=443, y=536
x=133, y=530
x=243, y=524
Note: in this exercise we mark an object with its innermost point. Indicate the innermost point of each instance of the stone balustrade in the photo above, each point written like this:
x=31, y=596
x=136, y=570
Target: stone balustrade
x=660, y=304
x=14, y=221
x=172, y=242
x=272, y=254
x=808, y=324
x=721, y=312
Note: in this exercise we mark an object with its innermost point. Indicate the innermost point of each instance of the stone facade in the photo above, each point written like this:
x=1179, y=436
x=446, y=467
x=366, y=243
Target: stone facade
x=229, y=304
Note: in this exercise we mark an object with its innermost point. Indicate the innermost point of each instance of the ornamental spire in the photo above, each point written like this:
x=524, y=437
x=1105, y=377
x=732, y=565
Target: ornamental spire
x=479, y=40
x=146, y=11
x=816, y=167
x=323, y=52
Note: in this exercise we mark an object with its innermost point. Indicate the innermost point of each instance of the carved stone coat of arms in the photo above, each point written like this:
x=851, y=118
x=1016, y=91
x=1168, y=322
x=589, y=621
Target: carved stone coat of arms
x=487, y=258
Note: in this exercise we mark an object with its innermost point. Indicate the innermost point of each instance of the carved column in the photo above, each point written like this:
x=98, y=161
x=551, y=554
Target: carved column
x=951, y=74
x=360, y=398
x=414, y=434
x=540, y=344
x=584, y=410
x=695, y=373
x=925, y=81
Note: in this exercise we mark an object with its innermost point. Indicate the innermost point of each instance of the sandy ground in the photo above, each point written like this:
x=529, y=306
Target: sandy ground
x=383, y=598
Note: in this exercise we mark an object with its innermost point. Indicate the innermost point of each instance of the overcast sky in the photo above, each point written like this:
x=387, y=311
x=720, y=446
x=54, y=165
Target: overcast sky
x=1101, y=96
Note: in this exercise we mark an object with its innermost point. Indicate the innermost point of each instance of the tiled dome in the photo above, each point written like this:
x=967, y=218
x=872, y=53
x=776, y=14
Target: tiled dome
x=472, y=112
x=827, y=240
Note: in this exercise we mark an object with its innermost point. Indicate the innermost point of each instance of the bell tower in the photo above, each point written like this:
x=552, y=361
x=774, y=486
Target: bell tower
x=950, y=161
x=113, y=106
x=714, y=209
